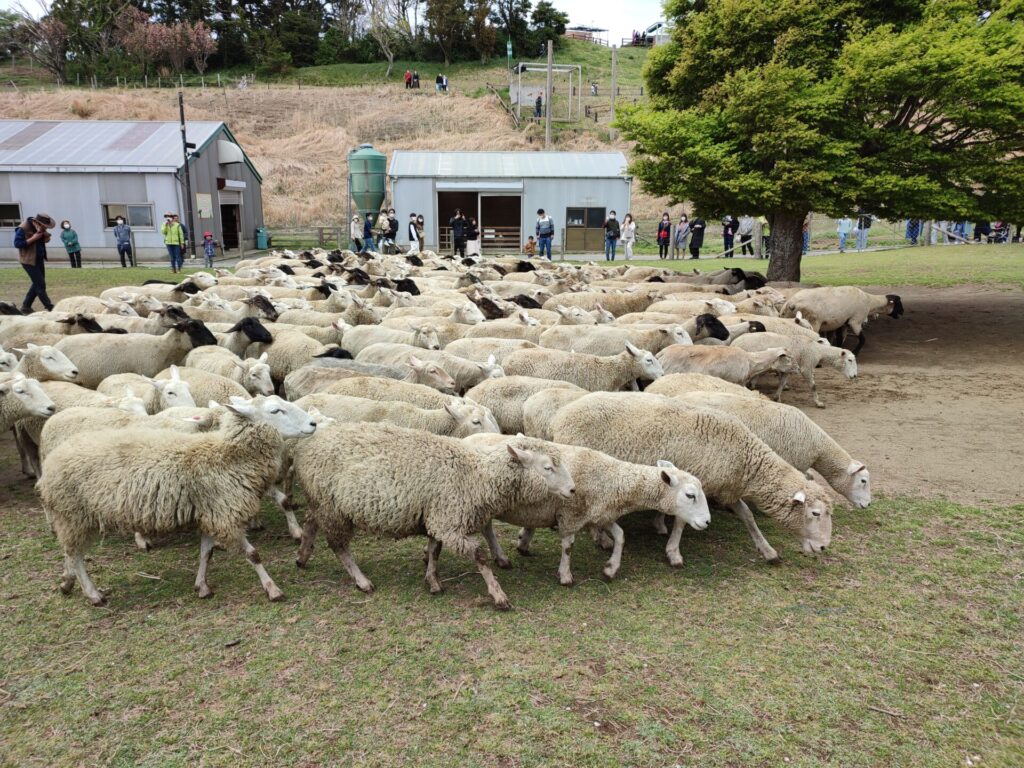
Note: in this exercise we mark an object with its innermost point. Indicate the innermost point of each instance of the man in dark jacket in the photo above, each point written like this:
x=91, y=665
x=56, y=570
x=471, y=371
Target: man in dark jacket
x=392, y=230
x=612, y=230
x=30, y=238
x=458, y=225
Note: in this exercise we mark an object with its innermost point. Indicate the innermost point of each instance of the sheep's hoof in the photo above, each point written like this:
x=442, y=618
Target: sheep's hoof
x=820, y=405
x=204, y=592
x=98, y=602
x=255, y=526
x=66, y=587
x=608, y=572
x=503, y=604
x=503, y=562
x=675, y=562
x=365, y=586
x=295, y=533
x=523, y=552
x=435, y=589
x=774, y=560
x=300, y=563
x=566, y=581
x=275, y=595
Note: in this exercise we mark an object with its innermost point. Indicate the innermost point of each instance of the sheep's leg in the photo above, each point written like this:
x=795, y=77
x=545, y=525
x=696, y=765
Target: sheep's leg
x=565, y=564
x=633, y=386
x=783, y=377
x=492, y=541
x=808, y=375
x=659, y=524
x=767, y=551
x=287, y=507
x=523, y=544
x=860, y=343
x=67, y=579
x=468, y=546
x=433, y=553
x=338, y=542
x=77, y=563
x=253, y=557
x=28, y=451
x=308, y=540
x=612, y=566
x=205, y=552
x=672, y=547
x=142, y=542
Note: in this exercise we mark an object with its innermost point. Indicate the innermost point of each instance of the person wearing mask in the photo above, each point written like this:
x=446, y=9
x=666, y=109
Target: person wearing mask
x=612, y=232
x=355, y=232
x=209, y=249
x=444, y=83
x=393, y=228
x=681, y=237
x=745, y=230
x=696, y=237
x=367, y=234
x=69, y=237
x=664, y=235
x=458, y=226
x=30, y=238
x=728, y=236
x=863, y=225
x=123, y=239
x=414, y=234
x=415, y=79
x=629, y=235
x=843, y=228
x=472, y=238
x=174, y=239
x=545, y=231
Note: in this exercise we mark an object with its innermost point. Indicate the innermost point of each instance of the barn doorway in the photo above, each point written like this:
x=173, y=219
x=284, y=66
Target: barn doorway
x=500, y=219
x=230, y=223
x=447, y=202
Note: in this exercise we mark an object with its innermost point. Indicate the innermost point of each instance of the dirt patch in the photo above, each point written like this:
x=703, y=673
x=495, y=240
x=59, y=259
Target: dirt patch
x=938, y=406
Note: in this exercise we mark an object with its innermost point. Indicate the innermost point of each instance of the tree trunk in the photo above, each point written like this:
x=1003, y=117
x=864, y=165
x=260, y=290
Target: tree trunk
x=786, y=245
x=391, y=64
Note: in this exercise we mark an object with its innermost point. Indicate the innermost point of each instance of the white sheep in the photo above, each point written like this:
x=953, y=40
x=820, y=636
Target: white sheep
x=482, y=348
x=453, y=419
x=466, y=373
x=205, y=387
x=157, y=394
x=728, y=363
x=807, y=354
x=158, y=481
x=8, y=361
x=22, y=398
x=45, y=363
x=673, y=384
x=374, y=388
x=606, y=340
x=252, y=373
x=421, y=484
x=841, y=308
x=506, y=396
x=421, y=335
x=540, y=408
x=588, y=371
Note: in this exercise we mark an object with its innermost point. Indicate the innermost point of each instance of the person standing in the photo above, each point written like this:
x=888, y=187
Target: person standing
x=437, y=82
x=355, y=233
x=421, y=228
x=806, y=234
x=414, y=234
x=728, y=237
x=696, y=237
x=612, y=231
x=367, y=235
x=408, y=79
x=30, y=238
x=664, y=235
x=843, y=229
x=69, y=237
x=745, y=229
x=545, y=231
x=913, y=230
x=863, y=225
x=444, y=83
x=472, y=238
x=766, y=236
x=458, y=226
x=174, y=239
x=538, y=107
x=123, y=239
x=209, y=249
x=415, y=79
x=629, y=235
x=681, y=237
x=392, y=231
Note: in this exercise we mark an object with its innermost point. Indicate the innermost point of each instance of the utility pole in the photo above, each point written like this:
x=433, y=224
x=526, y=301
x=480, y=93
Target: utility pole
x=185, y=146
x=547, y=96
x=611, y=131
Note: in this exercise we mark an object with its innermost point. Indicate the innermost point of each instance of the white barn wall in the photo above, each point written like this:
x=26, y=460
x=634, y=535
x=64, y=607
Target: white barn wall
x=555, y=195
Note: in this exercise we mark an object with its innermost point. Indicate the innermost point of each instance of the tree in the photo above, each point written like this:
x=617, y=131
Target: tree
x=446, y=24
x=482, y=34
x=511, y=17
x=47, y=44
x=299, y=35
x=10, y=39
x=548, y=23
x=201, y=46
x=389, y=27
x=905, y=108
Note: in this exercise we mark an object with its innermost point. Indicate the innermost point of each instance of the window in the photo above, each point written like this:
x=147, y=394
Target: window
x=10, y=214
x=591, y=218
x=136, y=215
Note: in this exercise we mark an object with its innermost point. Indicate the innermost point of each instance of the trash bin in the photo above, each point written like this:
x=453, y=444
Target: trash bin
x=262, y=239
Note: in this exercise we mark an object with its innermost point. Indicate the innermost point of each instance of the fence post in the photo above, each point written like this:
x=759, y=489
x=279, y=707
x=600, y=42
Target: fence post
x=146, y=80
x=218, y=79
x=159, y=81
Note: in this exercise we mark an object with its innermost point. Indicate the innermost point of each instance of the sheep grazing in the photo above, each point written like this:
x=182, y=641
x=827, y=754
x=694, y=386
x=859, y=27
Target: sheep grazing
x=21, y=398
x=422, y=484
x=453, y=419
x=540, y=408
x=606, y=340
x=606, y=489
x=157, y=481
x=729, y=363
x=843, y=308
x=807, y=354
x=733, y=465
x=98, y=356
x=157, y=394
x=796, y=438
x=673, y=384
x=252, y=373
x=590, y=372
x=505, y=397
x=362, y=336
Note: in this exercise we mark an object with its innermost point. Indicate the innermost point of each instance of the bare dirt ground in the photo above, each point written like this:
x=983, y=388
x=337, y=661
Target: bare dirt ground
x=938, y=406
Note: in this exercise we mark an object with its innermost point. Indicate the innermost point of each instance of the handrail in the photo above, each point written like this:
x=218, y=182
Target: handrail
x=507, y=107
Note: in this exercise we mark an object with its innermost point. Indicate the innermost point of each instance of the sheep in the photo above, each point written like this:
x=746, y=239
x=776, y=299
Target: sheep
x=796, y=438
x=21, y=398
x=447, y=331
x=673, y=384
x=505, y=397
x=158, y=481
x=289, y=351
x=757, y=306
x=576, y=316
x=606, y=489
x=807, y=355
x=709, y=330
x=588, y=371
x=522, y=327
x=733, y=465
x=841, y=308
x=480, y=349
x=795, y=326
x=93, y=305
x=157, y=393
x=454, y=419
x=422, y=484
x=45, y=363
x=252, y=373
x=358, y=338
x=373, y=388
x=243, y=334
x=155, y=323
x=541, y=407
x=466, y=373
x=205, y=387
x=683, y=308
x=256, y=305
x=616, y=303
x=462, y=313
x=194, y=283
x=98, y=356
x=310, y=378
x=729, y=363
x=415, y=370
x=8, y=361
x=607, y=340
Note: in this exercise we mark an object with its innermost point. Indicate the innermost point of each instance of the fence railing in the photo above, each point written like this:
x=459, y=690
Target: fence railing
x=506, y=239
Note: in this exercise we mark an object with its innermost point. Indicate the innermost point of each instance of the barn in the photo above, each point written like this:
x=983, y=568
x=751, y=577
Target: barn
x=92, y=171
x=505, y=189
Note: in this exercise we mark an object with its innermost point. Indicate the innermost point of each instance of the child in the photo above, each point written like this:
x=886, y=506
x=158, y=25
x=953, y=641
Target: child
x=209, y=248
x=530, y=249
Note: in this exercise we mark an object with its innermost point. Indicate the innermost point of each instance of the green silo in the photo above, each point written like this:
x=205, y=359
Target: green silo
x=367, y=178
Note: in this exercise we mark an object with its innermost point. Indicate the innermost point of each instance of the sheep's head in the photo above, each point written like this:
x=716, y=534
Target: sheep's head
x=56, y=364
x=33, y=398
x=648, y=367
x=256, y=375
x=783, y=362
x=471, y=418
x=8, y=361
x=425, y=336
x=129, y=402
x=203, y=280
x=432, y=375
x=552, y=473
x=687, y=499
x=677, y=335
x=575, y=316
x=174, y=392
x=287, y=418
x=847, y=363
x=859, y=493
x=602, y=315
x=812, y=508
x=894, y=306
x=491, y=369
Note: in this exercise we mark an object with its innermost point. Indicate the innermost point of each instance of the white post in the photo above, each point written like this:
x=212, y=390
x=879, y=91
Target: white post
x=611, y=131
x=547, y=96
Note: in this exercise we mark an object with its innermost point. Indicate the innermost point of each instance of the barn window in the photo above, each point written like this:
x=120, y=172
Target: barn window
x=10, y=214
x=136, y=214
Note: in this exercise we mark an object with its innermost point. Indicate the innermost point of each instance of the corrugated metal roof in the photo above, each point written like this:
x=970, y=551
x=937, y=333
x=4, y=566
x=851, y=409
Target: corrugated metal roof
x=97, y=145
x=515, y=165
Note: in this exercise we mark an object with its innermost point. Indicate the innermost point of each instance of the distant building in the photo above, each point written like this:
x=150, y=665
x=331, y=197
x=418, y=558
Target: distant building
x=92, y=171
x=503, y=190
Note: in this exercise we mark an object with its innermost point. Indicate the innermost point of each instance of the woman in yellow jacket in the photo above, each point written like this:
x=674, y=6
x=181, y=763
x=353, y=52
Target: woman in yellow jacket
x=174, y=239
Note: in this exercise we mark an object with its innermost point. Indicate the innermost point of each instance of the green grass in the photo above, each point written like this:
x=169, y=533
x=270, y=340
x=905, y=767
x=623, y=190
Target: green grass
x=62, y=282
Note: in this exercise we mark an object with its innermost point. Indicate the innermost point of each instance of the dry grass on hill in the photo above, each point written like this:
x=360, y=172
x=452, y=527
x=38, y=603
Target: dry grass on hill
x=298, y=138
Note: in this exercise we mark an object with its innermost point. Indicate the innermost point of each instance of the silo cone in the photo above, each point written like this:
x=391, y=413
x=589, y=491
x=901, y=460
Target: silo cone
x=367, y=172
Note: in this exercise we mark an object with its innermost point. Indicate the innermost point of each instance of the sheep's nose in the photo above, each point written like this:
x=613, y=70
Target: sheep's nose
x=74, y=372
x=50, y=409
x=572, y=491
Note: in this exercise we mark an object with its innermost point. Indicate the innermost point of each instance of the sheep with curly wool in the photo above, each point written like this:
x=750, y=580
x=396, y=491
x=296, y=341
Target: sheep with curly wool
x=730, y=363
x=807, y=354
x=466, y=373
x=606, y=489
x=505, y=397
x=732, y=463
x=159, y=481
x=591, y=372
x=453, y=419
x=253, y=373
x=606, y=340
x=422, y=484
x=157, y=393
x=796, y=438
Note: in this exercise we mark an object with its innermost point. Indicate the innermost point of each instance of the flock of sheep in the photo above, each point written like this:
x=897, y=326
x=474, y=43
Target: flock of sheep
x=421, y=396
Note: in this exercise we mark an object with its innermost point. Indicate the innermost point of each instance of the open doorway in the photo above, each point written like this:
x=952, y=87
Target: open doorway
x=447, y=202
x=500, y=218
x=230, y=222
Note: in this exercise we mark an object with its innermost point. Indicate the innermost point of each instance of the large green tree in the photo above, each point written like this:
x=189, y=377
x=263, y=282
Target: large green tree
x=905, y=108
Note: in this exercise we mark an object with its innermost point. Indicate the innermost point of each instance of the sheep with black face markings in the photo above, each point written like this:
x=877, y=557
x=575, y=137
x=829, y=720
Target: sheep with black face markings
x=841, y=308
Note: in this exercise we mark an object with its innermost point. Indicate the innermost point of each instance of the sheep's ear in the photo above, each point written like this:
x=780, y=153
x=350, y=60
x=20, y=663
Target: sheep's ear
x=263, y=358
x=5, y=386
x=856, y=467
x=669, y=479
x=212, y=404
x=782, y=353
x=665, y=464
x=524, y=316
x=519, y=454
x=470, y=401
x=491, y=362
x=175, y=376
x=634, y=351
x=452, y=409
x=240, y=363
x=799, y=497
x=561, y=309
x=159, y=384
x=241, y=406
x=415, y=363
x=30, y=346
